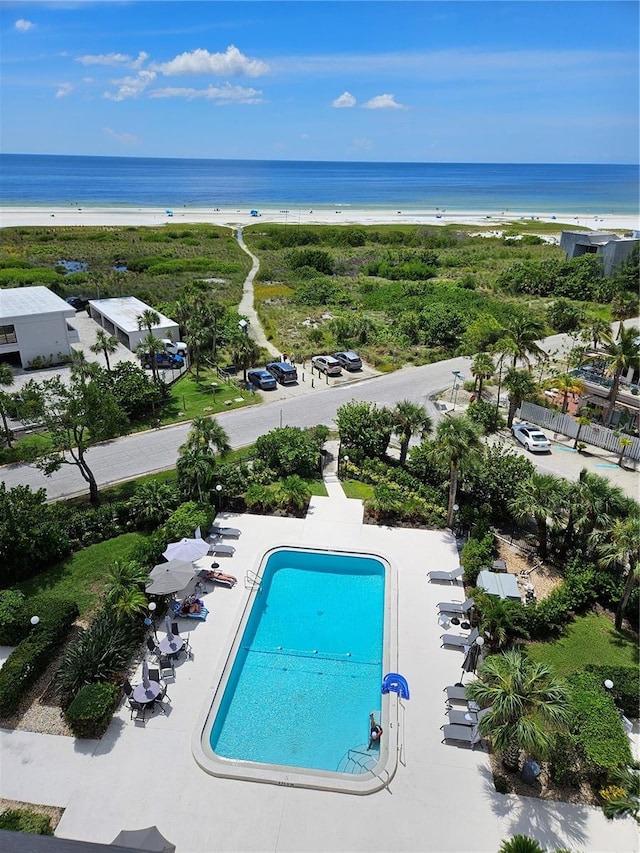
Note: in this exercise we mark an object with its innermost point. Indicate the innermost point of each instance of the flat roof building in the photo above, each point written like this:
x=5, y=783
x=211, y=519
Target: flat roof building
x=610, y=247
x=119, y=316
x=34, y=323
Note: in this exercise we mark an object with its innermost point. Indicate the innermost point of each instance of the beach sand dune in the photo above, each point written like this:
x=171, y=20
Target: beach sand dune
x=96, y=216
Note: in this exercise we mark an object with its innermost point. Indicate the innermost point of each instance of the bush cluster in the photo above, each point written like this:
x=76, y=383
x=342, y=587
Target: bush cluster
x=626, y=685
x=90, y=712
x=25, y=820
x=31, y=657
x=476, y=555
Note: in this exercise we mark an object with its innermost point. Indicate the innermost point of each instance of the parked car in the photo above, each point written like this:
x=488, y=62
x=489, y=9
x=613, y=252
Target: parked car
x=174, y=347
x=78, y=302
x=163, y=359
x=285, y=373
x=262, y=379
x=531, y=437
x=349, y=360
x=327, y=364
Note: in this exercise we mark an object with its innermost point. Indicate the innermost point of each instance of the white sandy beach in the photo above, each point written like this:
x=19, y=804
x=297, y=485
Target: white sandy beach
x=31, y=216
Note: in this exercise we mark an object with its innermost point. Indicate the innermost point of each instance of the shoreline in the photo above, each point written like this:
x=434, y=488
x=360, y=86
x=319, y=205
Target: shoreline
x=30, y=216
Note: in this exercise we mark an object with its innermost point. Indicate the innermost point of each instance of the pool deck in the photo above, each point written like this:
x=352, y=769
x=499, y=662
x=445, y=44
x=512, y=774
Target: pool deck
x=441, y=798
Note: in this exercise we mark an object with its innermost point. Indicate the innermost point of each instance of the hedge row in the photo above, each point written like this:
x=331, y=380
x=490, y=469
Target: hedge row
x=31, y=657
x=597, y=727
x=90, y=712
x=626, y=686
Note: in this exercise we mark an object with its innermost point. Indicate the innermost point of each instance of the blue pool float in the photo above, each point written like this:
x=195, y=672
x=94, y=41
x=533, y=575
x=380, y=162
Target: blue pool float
x=395, y=683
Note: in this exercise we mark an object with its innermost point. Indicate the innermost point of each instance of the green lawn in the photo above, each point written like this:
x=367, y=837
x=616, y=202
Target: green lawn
x=81, y=576
x=358, y=490
x=191, y=399
x=589, y=639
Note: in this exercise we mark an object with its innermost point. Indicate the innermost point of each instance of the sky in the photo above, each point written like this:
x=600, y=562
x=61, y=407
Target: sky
x=421, y=81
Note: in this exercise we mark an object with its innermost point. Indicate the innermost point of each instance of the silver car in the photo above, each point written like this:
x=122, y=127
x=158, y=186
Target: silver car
x=531, y=437
x=327, y=364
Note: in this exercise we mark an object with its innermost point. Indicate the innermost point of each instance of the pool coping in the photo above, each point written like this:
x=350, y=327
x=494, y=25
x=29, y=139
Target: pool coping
x=368, y=782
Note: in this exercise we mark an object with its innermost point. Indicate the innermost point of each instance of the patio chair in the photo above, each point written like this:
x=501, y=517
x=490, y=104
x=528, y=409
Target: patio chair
x=175, y=630
x=154, y=675
x=167, y=669
x=128, y=689
x=138, y=710
x=153, y=649
x=450, y=577
x=215, y=530
x=464, y=734
x=455, y=606
x=459, y=640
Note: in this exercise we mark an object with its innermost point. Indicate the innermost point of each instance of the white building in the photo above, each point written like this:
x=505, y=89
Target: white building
x=119, y=317
x=34, y=323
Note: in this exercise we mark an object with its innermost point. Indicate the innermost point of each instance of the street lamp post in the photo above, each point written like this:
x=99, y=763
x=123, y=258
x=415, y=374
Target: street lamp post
x=345, y=460
x=243, y=325
x=150, y=621
x=219, y=496
x=457, y=377
x=34, y=620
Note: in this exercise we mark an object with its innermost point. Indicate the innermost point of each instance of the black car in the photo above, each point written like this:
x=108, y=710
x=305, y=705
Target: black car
x=283, y=372
x=78, y=302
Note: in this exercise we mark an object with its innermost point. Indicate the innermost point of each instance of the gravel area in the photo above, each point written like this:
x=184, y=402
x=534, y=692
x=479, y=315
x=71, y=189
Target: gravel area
x=52, y=812
x=544, y=578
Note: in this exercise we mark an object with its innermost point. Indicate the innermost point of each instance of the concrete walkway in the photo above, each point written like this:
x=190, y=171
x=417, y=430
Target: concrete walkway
x=247, y=307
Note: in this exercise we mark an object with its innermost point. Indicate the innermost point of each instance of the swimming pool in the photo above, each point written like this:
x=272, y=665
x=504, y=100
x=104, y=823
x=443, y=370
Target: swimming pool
x=304, y=673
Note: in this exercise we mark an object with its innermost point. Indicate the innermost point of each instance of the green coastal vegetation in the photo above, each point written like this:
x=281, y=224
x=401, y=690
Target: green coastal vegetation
x=399, y=295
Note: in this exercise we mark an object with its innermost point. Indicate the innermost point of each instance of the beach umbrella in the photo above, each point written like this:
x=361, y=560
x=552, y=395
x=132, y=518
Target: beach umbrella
x=170, y=577
x=150, y=839
x=470, y=662
x=186, y=549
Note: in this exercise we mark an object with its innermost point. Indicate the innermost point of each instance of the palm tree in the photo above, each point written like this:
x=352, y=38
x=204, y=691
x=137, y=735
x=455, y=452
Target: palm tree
x=408, y=418
x=293, y=493
x=622, y=796
x=582, y=421
x=622, y=355
x=596, y=330
x=455, y=440
x=80, y=367
x=105, y=344
x=538, y=496
x=6, y=379
x=594, y=504
x=566, y=384
x=482, y=367
x=624, y=442
x=621, y=549
x=151, y=346
x=123, y=591
x=207, y=435
x=521, y=386
x=153, y=502
x=498, y=619
x=520, y=844
x=524, y=333
x=148, y=319
x=196, y=468
x=528, y=703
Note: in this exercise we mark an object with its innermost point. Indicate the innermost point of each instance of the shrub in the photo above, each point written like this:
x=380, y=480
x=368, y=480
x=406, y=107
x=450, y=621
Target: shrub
x=13, y=626
x=31, y=657
x=626, y=685
x=501, y=784
x=100, y=653
x=485, y=414
x=597, y=727
x=25, y=820
x=90, y=712
x=184, y=521
x=260, y=499
x=547, y=618
x=290, y=450
x=564, y=761
x=476, y=555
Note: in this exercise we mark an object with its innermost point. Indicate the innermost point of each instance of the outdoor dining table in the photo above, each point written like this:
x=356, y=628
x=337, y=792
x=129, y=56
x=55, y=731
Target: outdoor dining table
x=147, y=693
x=171, y=645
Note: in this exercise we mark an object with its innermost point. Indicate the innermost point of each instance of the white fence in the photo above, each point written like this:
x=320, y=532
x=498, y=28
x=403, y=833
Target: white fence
x=599, y=436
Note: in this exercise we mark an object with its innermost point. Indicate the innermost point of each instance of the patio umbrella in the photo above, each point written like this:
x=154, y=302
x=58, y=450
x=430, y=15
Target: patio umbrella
x=167, y=624
x=470, y=661
x=145, y=673
x=170, y=577
x=186, y=549
x=150, y=839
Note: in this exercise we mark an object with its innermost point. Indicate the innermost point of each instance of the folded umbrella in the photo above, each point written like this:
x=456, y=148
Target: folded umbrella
x=145, y=673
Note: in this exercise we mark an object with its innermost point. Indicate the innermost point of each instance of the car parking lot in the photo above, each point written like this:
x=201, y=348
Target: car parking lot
x=311, y=381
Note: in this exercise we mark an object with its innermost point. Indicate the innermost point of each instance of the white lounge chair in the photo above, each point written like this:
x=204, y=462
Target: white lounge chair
x=464, y=734
x=460, y=640
x=455, y=606
x=450, y=577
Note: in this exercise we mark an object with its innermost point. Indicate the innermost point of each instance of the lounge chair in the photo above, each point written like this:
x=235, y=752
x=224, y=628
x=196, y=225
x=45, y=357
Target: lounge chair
x=218, y=577
x=458, y=693
x=224, y=531
x=451, y=577
x=455, y=606
x=464, y=734
x=464, y=717
x=202, y=615
x=218, y=547
x=459, y=640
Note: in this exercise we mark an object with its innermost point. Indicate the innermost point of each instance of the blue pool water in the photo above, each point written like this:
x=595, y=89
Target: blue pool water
x=309, y=667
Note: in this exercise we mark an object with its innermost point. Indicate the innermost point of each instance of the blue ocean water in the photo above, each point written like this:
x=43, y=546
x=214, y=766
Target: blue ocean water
x=309, y=669
x=47, y=180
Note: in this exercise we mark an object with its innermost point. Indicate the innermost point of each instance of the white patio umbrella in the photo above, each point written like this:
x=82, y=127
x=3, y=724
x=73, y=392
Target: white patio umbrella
x=167, y=622
x=186, y=549
x=145, y=673
x=170, y=577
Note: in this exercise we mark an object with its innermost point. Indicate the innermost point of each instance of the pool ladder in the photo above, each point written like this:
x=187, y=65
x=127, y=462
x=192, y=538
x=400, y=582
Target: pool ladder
x=251, y=579
x=356, y=756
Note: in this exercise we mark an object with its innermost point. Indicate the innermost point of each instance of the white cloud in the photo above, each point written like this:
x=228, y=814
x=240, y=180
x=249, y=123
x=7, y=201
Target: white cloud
x=231, y=62
x=383, y=102
x=227, y=94
x=131, y=87
x=23, y=26
x=139, y=62
x=346, y=99
x=122, y=138
x=63, y=90
x=304, y=136
x=106, y=59
x=362, y=144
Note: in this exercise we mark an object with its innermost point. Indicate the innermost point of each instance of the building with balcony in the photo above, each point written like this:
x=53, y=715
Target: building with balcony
x=35, y=326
